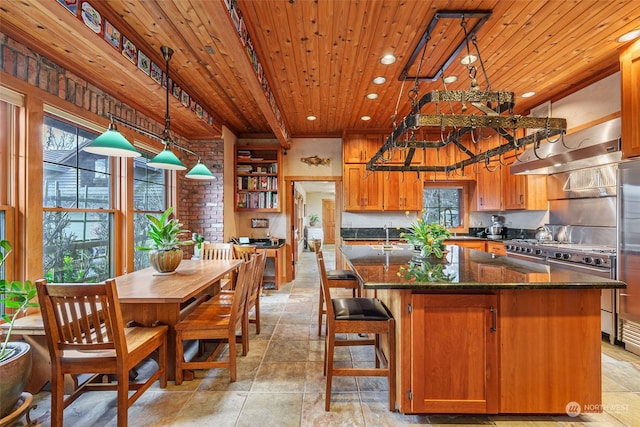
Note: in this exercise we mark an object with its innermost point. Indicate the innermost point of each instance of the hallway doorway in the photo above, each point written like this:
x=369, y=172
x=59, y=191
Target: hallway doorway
x=307, y=196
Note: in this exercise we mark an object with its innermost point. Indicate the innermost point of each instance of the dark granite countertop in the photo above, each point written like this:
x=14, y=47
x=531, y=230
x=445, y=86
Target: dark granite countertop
x=267, y=243
x=465, y=269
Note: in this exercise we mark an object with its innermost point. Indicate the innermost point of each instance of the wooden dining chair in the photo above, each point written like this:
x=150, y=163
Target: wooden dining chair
x=212, y=251
x=244, y=251
x=357, y=316
x=219, y=251
x=253, y=299
x=345, y=279
x=216, y=322
x=86, y=335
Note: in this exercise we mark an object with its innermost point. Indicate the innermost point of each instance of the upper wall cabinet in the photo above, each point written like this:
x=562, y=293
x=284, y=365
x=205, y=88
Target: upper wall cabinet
x=359, y=148
x=630, y=77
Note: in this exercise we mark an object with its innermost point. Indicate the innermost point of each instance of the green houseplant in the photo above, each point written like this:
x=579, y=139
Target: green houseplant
x=15, y=357
x=428, y=238
x=313, y=219
x=165, y=254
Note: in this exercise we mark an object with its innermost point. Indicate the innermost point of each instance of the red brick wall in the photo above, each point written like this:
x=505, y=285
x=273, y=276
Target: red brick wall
x=200, y=202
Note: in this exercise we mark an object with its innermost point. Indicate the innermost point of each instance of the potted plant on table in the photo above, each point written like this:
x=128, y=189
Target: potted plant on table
x=428, y=238
x=15, y=357
x=165, y=254
x=198, y=240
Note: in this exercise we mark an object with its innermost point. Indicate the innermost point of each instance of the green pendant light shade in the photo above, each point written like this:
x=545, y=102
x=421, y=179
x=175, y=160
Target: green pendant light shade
x=200, y=171
x=167, y=160
x=112, y=143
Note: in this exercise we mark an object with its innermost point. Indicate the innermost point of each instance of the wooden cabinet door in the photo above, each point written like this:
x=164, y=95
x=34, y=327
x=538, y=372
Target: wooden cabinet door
x=402, y=191
x=359, y=148
x=523, y=191
x=454, y=354
x=362, y=188
x=489, y=187
x=514, y=190
x=630, y=76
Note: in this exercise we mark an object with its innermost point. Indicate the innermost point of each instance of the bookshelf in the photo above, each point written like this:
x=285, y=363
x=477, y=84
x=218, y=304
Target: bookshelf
x=257, y=172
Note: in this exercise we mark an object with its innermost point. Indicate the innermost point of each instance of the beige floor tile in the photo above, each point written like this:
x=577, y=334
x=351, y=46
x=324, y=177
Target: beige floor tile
x=208, y=408
x=271, y=409
x=280, y=377
x=345, y=411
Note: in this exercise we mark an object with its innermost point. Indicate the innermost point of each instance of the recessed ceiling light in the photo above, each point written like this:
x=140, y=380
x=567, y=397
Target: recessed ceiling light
x=528, y=94
x=372, y=95
x=468, y=59
x=365, y=118
x=388, y=59
x=311, y=118
x=450, y=79
x=379, y=80
x=628, y=36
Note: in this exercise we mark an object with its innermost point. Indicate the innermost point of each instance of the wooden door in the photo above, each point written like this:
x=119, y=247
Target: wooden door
x=329, y=221
x=454, y=353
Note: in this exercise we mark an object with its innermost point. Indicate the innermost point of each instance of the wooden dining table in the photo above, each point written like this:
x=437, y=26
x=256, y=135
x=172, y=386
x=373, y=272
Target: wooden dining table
x=147, y=297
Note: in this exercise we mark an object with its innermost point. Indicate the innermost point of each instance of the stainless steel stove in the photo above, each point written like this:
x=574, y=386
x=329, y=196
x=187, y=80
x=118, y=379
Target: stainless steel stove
x=592, y=258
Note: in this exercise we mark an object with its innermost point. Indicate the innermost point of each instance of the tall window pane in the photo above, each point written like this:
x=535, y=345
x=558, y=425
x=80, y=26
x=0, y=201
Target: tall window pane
x=150, y=197
x=443, y=206
x=73, y=178
x=77, y=246
x=77, y=217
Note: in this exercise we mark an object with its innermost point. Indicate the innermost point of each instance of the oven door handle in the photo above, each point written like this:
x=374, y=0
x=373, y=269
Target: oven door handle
x=579, y=266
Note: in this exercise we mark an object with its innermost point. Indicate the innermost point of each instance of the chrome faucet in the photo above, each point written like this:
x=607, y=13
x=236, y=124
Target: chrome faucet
x=386, y=230
x=444, y=217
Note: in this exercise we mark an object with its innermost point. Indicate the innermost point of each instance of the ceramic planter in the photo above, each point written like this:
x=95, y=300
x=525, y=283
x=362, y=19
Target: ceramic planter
x=165, y=261
x=15, y=372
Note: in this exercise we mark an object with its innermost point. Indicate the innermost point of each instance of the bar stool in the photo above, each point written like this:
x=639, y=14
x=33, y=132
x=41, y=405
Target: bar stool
x=357, y=316
x=345, y=279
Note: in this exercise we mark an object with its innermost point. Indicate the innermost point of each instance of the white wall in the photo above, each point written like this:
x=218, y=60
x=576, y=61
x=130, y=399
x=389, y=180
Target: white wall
x=591, y=103
x=307, y=147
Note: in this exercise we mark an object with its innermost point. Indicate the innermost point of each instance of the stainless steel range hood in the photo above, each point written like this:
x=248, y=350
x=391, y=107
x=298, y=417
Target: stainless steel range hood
x=594, y=146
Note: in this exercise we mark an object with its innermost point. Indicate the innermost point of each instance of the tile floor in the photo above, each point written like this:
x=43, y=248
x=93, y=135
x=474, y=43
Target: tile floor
x=280, y=383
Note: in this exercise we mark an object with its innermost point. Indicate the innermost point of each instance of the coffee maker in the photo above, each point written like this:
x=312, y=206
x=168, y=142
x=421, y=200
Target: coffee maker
x=496, y=229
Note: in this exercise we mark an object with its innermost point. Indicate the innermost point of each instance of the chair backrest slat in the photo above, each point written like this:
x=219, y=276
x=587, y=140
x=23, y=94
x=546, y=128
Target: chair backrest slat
x=324, y=283
x=213, y=251
x=243, y=287
x=82, y=316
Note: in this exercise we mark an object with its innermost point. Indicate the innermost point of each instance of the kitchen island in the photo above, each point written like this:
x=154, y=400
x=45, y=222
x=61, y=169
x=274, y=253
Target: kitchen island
x=484, y=333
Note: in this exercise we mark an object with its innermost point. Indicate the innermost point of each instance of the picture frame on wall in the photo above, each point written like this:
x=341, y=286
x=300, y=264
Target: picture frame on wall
x=259, y=222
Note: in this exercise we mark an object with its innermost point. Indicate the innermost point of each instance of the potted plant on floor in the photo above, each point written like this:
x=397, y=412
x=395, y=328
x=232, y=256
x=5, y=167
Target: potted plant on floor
x=15, y=357
x=165, y=254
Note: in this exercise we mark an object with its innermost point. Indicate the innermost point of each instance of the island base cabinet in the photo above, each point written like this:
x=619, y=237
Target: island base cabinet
x=454, y=353
x=550, y=351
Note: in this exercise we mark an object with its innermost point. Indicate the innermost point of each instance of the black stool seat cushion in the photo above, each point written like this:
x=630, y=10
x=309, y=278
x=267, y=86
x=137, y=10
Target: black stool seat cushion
x=341, y=275
x=359, y=309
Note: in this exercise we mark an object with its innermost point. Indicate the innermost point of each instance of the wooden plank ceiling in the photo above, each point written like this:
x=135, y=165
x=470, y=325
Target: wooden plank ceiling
x=320, y=56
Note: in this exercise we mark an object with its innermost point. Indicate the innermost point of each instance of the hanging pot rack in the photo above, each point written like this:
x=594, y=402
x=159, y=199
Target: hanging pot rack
x=491, y=104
